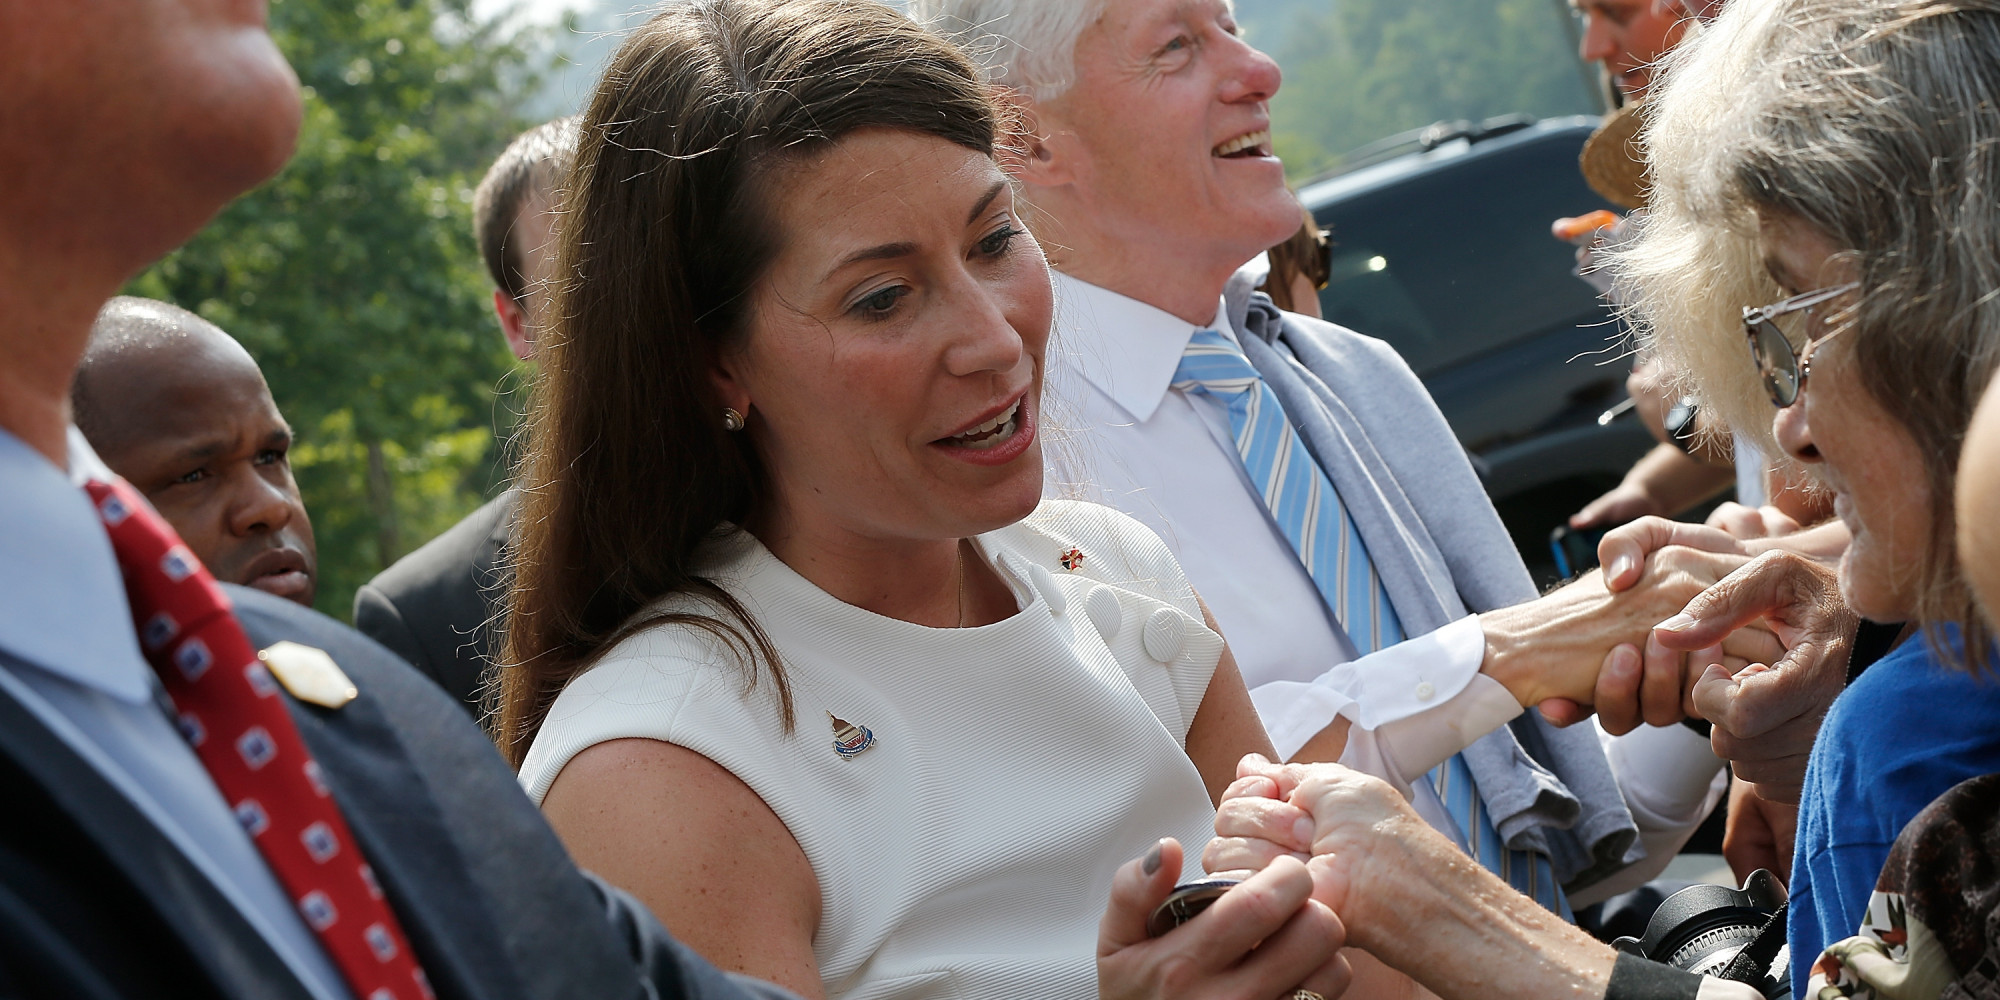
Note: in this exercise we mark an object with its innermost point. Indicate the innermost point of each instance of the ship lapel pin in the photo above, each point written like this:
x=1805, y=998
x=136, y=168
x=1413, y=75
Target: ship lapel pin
x=849, y=740
x=1072, y=560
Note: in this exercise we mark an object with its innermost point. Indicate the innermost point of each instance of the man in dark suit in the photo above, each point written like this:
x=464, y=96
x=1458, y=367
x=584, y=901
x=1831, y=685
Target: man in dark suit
x=124, y=870
x=438, y=606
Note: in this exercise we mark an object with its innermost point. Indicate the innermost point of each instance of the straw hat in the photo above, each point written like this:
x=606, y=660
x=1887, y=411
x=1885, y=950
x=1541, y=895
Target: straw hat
x=1614, y=161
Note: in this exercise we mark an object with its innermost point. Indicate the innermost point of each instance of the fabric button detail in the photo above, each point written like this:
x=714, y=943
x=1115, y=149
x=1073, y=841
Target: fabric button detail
x=1163, y=635
x=1102, y=607
x=1045, y=584
x=1425, y=691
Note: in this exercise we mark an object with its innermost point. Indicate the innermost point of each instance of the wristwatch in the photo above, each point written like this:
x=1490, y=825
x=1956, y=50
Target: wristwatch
x=1681, y=422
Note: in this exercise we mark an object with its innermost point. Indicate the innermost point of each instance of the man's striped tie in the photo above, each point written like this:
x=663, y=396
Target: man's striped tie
x=1305, y=506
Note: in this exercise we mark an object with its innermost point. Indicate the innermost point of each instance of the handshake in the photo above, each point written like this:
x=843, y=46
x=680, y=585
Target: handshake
x=1738, y=622
x=1343, y=886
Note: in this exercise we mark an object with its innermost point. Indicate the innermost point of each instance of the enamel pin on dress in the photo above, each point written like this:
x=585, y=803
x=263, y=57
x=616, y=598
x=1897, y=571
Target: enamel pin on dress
x=850, y=740
x=1072, y=560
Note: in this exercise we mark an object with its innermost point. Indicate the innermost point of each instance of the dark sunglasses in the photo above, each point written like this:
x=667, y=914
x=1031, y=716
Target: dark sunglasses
x=1782, y=370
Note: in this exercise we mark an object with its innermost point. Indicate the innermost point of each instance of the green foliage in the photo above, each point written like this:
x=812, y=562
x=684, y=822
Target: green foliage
x=353, y=279
x=1360, y=70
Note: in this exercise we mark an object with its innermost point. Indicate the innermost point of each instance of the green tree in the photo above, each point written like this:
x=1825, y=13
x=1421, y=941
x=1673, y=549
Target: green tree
x=353, y=279
x=1360, y=70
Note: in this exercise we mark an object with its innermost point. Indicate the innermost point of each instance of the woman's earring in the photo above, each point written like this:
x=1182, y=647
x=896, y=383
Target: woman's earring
x=731, y=420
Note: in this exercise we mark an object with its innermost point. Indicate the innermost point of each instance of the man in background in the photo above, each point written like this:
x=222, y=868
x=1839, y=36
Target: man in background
x=438, y=605
x=181, y=410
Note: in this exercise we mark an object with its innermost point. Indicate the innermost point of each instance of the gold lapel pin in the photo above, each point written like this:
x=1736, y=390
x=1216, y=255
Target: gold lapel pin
x=1072, y=560
x=309, y=674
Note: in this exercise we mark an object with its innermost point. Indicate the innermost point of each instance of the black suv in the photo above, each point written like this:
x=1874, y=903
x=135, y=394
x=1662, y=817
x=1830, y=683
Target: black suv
x=1442, y=248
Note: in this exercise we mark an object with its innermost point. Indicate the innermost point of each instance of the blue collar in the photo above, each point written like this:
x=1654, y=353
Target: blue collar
x=62, y=598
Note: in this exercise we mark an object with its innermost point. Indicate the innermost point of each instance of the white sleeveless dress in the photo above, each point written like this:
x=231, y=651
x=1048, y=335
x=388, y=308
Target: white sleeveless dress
x=967, y=852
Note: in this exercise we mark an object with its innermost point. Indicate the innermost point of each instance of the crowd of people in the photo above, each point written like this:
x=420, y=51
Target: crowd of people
x=930, y=547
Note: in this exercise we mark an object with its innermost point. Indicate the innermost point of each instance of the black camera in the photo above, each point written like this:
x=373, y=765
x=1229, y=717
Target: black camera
x=1713, y=930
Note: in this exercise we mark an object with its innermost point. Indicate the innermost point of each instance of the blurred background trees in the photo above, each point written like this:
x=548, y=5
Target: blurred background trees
x=1359, y=70
x=354, y=280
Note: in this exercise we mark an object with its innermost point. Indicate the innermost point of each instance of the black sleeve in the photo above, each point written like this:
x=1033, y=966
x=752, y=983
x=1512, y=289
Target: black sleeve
x=377, y=617
x=1635, y=978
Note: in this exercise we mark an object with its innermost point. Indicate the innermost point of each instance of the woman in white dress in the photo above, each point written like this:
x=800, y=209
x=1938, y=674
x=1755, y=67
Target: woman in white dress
x=797, y=654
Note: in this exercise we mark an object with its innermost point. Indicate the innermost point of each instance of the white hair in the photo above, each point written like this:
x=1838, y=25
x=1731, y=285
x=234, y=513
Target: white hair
x=1028, y=45
x=1874, y=123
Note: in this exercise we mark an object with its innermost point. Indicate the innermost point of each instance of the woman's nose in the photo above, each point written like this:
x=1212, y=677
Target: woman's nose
x=1793, y=433
x=986, y=341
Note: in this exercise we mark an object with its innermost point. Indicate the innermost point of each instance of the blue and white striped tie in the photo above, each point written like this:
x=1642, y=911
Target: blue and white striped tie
x=1308, y=510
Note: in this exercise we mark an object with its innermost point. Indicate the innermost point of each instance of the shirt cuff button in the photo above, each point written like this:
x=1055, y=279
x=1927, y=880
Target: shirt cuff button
x=1425, y=691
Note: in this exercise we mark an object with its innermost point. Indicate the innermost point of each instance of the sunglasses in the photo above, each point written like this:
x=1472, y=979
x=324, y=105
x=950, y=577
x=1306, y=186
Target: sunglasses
x=1782, y=370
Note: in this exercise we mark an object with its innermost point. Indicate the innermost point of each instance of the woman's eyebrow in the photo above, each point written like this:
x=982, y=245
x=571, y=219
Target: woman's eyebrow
x=885, y=251
x=980, y=208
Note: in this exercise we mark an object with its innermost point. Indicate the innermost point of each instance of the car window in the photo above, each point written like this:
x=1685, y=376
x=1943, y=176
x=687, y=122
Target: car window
x=1453, y=263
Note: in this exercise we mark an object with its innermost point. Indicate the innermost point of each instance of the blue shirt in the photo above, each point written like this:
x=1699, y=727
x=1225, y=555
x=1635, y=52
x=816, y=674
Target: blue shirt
x=1901, y=735
x=63, y=611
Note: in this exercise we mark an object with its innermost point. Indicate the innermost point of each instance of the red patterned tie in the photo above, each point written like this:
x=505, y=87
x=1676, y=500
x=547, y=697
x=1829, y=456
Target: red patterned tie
x=230, y=712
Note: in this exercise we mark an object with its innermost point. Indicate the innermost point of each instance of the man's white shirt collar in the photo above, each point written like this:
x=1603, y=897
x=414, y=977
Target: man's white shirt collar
x=62, y=598
x=1127, y=349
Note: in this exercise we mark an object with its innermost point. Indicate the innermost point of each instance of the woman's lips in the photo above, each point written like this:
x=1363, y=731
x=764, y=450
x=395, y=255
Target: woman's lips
x=1012, y=430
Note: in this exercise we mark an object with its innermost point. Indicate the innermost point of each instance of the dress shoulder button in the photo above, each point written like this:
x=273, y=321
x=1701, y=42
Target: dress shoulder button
x=1102, y=606
x=1045, y=585
x=1164, y=634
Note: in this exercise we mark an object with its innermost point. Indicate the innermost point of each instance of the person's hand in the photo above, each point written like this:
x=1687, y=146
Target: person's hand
x=1766, y=715
x=1264, y=938
x=1644, y=682
x=1358, y=831
x=1651, y=396
x=1748, y=523
x=1556, y=647
x=1758, y=833
x=1624, y=502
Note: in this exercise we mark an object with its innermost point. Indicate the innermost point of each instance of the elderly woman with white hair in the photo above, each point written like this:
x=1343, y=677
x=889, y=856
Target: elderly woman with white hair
x=1824, y=174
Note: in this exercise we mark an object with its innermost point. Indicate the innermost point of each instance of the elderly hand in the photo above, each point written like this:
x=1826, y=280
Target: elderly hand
x=1750, y=523
x=1356, y=829
x=1758, y=833
x=1556, y=647
x=1766, y=715
x=1643, y=681
x=1264, y=938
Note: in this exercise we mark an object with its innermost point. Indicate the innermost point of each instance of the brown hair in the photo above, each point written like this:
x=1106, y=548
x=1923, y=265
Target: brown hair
x=629, y=468
x=530, y=164
x=1303, y=254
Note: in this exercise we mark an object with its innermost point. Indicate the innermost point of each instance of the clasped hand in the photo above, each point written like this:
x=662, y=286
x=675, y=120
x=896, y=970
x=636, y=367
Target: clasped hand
x=1760, y=654
x=1262, y=939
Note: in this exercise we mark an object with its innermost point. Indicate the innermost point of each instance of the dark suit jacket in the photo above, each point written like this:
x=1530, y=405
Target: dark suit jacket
x=434, y=606
x=96, y=903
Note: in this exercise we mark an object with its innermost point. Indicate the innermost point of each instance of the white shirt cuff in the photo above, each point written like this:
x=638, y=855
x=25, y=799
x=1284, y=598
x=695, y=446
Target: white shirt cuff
x=1666, y=773
x=1411, y=677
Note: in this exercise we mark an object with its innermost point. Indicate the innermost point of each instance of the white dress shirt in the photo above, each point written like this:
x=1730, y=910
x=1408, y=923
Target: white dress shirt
x=1121, y=435
x=63, y=610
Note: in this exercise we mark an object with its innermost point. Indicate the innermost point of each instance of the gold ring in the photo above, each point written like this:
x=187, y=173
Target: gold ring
x=1306, y=995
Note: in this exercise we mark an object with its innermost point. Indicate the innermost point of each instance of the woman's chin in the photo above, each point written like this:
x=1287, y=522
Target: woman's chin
x=1869, y=586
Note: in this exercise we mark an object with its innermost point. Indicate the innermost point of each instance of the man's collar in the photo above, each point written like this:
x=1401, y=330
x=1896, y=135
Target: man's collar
x=62, y=598
x=1126, y=348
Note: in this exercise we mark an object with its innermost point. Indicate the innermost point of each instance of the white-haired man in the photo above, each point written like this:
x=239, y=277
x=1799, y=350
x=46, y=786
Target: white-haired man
x=1299, y=471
